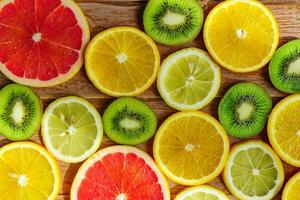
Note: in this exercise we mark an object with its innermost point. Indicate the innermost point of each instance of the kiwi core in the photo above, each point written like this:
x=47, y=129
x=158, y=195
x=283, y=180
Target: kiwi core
x=294, y=67
x=18, y=112
x=37, y=37
x=244, y=110
x=121, y=197
x=173, y=19
x=128, y=123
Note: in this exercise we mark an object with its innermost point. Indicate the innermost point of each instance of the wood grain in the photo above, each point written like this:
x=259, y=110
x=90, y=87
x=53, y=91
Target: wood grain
x=103, y=14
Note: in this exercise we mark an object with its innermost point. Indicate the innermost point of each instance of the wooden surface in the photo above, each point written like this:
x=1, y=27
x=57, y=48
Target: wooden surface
x=103, y=14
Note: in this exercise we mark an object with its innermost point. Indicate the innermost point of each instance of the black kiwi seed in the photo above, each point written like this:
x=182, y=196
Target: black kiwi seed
x=284, y=68
x=244, y=110
x=129, y=121
x=20, y=112
x=161, y=24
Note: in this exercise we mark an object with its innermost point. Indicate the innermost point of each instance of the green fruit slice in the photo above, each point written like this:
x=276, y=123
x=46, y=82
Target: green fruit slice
x=253, y=171
x=71, y=129
x=189, y=79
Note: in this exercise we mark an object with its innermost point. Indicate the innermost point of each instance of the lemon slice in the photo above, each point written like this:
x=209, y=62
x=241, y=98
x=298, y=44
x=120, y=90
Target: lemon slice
x=284, y=129
x=241, y=35
x=292, y=188
x=253, y=171
x=122, y=61
x=189, y=79
x=203, y=192
x=191, y=148
x=27, y=172
x=71, y=129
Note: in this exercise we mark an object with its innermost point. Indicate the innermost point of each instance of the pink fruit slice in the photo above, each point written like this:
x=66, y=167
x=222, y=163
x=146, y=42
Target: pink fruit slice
x=41, y=41
x=120, y=173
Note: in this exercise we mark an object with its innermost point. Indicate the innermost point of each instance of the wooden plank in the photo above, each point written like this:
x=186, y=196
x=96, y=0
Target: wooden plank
x=103, y=14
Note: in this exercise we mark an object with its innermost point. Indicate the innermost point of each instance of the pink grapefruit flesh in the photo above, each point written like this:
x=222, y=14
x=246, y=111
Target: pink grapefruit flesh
x=41, y=41
x=120, y=173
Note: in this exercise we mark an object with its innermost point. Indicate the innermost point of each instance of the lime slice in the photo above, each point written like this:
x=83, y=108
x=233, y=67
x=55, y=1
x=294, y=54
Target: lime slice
x=189, y=79
x=253, y=171
x=203, y=192
x=71, y=129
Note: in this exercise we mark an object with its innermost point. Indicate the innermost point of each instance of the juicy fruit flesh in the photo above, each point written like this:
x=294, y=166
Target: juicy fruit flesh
x=128, y=55
x=120, y=175
x=173, y=22
x=72, y=129
x=20, y=112
x=243, y=43
x=25, y=174
x=201, y=196
x=189, y=80
x=284, y=67
x=129, y=121
x=293, y=191
x=253, y=172
x=187, y=143
x=42, y=47
x=287, y=128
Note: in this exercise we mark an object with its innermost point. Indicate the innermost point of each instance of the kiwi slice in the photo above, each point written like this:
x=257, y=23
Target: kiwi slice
x=284, y=68
x=129, y=121
x=173, y=22
x=20, y=112
x=244, y=110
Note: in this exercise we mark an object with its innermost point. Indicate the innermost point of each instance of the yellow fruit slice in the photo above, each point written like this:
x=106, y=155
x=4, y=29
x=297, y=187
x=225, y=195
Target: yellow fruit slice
x=191, y=148
x=122, y=61
x=28, y=172
x=284, y=129
x=292, y=188
x=253, y=171
x=203, y=192
x=241, y=35
x=189, y=79
x=72, y=129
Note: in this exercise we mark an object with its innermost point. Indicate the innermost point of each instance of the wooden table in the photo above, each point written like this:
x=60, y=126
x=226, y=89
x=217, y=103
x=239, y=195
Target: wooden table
x=103, y=14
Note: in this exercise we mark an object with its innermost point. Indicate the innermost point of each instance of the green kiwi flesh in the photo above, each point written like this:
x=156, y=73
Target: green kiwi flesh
x=129, y=121
x=284, y=68
x=244, y=110
x=173, y=22
x=20, y=112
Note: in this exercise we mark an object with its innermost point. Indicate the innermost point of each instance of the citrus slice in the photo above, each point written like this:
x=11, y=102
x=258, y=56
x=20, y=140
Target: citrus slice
x=41, y=42
x=191, y=148
x=284, y=129
x=122, y=61
x=120, y=173
x=27, y=172
x=253, y=171
x=203, y=192
x=237, y=43
x=189, y=79
x=72, y=129
x=292, y=188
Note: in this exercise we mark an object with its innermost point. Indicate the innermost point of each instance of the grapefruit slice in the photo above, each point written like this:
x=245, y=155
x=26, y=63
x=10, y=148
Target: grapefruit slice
x=120, y=173
x=41, y=42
